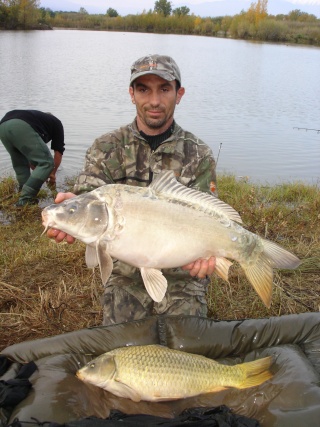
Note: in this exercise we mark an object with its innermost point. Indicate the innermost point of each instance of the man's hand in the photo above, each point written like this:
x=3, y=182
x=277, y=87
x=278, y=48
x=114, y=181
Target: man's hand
x=51, y=181
x=201, y=267
x=59, y=235
x=52, y=178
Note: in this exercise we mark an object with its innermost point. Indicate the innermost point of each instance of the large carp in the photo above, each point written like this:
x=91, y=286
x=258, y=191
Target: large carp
x=165, y=225
x=156, y=373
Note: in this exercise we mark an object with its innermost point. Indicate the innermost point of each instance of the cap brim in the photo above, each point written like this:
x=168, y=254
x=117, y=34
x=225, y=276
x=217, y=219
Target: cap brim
x=165, y=75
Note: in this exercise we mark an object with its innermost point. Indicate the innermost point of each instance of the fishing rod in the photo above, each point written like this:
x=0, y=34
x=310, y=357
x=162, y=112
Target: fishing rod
x=306, y=129
x=218, y=153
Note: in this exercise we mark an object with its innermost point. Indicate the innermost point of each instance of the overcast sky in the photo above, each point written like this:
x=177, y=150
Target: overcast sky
x=198, y=7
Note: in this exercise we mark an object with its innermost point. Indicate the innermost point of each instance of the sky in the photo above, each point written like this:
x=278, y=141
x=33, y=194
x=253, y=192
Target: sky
x=197, y=7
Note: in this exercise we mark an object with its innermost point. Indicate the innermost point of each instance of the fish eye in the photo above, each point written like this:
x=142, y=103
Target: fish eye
x=72, y=209
x=92, y=365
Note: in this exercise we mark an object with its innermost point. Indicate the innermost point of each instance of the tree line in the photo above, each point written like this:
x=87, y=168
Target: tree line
x=252, y=24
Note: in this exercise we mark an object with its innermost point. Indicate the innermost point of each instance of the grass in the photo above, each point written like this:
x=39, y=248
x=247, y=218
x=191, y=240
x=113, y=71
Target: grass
x=46, y=288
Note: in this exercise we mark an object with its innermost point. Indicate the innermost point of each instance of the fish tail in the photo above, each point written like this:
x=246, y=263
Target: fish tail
x=256, y=372
x=260, y=274
x=279, y=257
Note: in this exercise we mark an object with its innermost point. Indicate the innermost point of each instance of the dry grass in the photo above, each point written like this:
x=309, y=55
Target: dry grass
x=287, y=214
x=46, y=289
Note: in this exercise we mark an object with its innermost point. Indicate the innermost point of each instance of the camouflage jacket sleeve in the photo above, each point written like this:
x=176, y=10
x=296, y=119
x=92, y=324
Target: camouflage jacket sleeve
x=103, y=163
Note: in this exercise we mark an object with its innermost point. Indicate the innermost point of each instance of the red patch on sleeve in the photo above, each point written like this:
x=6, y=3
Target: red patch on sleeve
x=213, y=186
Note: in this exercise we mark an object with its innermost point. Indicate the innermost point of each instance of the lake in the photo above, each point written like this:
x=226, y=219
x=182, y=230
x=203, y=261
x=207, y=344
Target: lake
x=247, y=100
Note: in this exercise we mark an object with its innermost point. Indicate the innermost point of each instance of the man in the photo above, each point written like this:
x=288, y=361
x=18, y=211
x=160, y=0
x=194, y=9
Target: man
x=132, y=155
x=24, y=134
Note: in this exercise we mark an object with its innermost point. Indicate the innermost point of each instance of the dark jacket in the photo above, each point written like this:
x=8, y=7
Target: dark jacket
x=46, y=125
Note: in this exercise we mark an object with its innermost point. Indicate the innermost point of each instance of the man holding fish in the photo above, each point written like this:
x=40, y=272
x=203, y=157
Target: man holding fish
x=134, y=155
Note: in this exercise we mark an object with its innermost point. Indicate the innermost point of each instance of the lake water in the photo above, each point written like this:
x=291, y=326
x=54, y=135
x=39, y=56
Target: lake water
x=244, y=99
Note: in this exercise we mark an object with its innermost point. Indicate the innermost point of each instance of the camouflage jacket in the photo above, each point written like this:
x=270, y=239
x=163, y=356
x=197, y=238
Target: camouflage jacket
x=124, y=157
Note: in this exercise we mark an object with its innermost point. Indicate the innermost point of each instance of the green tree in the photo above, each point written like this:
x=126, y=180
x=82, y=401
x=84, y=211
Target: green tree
x=83, y=11
x=4, y=14
x=226, y=24
x=112, y=13
x=163, y=7
x=297, y=15
x=270, y=29
x=28, y=12
x=181, y=11
x=10, y=14
x=46, y=11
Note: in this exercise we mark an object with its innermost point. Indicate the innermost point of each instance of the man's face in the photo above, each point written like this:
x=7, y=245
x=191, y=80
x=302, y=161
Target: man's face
x=155, y=100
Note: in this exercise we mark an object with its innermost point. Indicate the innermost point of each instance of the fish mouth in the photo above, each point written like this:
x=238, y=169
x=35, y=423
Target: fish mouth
x=46, y=222
x=78, y=374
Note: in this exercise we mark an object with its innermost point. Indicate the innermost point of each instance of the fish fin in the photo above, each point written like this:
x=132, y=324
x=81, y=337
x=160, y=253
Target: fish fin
x=280, y=257
x=167, y=183
x=156, y=398
x=155, y=283
x=222, y=268
x=104, y=260
x=260, y=275
x=256, y=372
x=91, y=256
x=123, y=390
x=216, y=389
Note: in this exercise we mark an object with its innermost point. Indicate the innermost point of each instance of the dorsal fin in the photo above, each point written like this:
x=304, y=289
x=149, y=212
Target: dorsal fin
x=166, y=183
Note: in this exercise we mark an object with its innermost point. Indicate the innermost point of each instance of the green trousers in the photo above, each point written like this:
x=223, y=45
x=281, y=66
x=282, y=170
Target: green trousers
x=26, y=148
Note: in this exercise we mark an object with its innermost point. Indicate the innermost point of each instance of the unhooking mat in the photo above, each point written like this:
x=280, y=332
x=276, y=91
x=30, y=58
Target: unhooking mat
x=291, y=398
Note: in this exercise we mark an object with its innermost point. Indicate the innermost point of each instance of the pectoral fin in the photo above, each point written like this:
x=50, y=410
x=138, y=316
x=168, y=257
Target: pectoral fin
x=155, y=283
x=104, y=260
x=91, y=257
x=123, y=390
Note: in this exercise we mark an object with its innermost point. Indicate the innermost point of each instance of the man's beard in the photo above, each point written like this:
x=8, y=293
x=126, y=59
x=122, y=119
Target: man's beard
x=155, y=124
